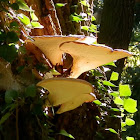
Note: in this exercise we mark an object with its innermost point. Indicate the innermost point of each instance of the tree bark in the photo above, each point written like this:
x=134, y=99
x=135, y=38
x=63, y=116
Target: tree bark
x=116, y=26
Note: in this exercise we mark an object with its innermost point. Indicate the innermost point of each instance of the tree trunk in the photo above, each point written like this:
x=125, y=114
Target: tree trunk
x=116, y=26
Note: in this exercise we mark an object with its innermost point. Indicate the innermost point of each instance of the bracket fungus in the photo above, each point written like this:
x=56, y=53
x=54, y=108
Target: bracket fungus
x=87, y=56
x=75, y=102
x=67, y=91
x=49, y=45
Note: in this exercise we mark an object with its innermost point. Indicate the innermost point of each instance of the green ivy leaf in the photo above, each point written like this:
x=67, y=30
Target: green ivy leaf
x=111, y=64
x=2, y=36
x=23, y=6
x=12, y=37
x=30, y=91
x=124, y=90
x=54, y=72
x=10, y=95
x=114, y=94
x=63, y=132
x=33, y=16
x=129, y=138
x=129, y=121
x=85, y=28
x=14, y=24
x=114, y=76
x=85, y=3
x=92, y=26
x=123, y=124
x=123, y=129
x=97, y=102
x=130, y=105
x=24, y=19
x=108, y=83
x=111, y=130
x=115, y=109
x=9, y=53
x=5, y=117
x=118, y=101
x=36, y=25
x=76, y=18
x=93, y=18
x=59, y=5
x=14, y=6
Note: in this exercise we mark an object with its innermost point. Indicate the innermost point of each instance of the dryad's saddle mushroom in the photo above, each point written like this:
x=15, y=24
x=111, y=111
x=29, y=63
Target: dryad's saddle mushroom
x=87, y=56
x=49, y=45
x=67, y=92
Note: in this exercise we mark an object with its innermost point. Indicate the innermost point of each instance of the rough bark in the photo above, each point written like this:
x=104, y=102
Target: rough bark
x=116, y=26
x=117, y=23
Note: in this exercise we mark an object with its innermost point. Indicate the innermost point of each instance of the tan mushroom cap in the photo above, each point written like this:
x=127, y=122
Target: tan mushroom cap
x=75, y=102
x=62, y=90
x=49, y=45
x=87, y=56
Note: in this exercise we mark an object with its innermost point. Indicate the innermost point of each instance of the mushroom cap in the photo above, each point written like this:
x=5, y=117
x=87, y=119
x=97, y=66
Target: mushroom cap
x=62, y=90
x=49, y=45
x=88, y=56
x=75, y=102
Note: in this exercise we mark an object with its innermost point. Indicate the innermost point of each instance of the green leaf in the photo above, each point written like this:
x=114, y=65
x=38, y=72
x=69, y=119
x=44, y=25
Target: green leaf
x=124, y=90
x=111, y=64
x=24, y=19
x=92, y=26
x=85, y=28
x=5, y=117
x=115, y=109
x=63, y=132
x=114, y=76
x=97, y=102
x=93, y=18
x=118, y=101
x=111, y=130
x=123, y=129
x=129, y=121
x=123, y=124
x=130, y=105
x=30, y=91
x=108, y=83
x=12, y=37
x=59, y=5
x=129, y=138
x=36, y=25
x=85, y=3
x=33, y=16
x=14, y=6
x=2, y=36
x=10, y=95
x=54, y=72
x=75, y=18
x=23, y=6
x=9, y=53
x=14, y=24
x=114, y=94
